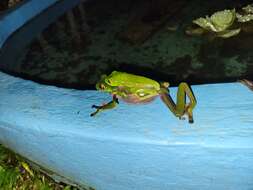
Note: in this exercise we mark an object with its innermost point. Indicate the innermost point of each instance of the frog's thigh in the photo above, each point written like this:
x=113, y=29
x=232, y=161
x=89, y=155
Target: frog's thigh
x=183, y=91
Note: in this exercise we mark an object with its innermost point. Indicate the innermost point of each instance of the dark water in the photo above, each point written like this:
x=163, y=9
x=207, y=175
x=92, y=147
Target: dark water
x=141, y=37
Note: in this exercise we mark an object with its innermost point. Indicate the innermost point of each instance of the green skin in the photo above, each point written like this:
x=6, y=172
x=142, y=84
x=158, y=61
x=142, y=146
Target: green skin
x=138, y=89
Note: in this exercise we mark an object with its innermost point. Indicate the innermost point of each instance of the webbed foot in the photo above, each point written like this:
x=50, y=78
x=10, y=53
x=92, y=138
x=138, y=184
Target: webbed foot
x=188, y=111
x=98, y=109
x=110, y=105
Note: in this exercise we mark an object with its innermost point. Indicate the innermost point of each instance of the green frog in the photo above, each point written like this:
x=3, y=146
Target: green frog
x=137, y=89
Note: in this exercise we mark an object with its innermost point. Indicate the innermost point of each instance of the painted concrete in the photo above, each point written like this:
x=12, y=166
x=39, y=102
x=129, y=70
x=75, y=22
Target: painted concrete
x=15, y=19
x=21, y=25
x=132, y=147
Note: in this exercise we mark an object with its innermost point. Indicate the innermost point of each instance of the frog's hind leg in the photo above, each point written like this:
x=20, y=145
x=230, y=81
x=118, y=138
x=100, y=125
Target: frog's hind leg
x=181, y=107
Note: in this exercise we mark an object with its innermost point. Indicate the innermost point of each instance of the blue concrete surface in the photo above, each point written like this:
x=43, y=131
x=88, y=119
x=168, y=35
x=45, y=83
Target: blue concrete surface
x=132, y=147
x=15, y=19
x=19, y=26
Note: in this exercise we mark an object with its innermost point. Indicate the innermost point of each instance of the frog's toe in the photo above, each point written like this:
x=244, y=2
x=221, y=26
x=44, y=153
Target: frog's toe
x=191, y=120
x=182, y=117
x=95, y=106
x=94, y=113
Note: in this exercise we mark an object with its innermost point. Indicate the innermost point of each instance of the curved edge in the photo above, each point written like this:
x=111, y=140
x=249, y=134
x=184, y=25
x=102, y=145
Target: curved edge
x=19, y=27
x=15, y=18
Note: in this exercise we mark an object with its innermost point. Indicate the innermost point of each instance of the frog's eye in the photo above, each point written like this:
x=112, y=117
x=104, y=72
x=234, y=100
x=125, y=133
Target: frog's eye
x=109, y=81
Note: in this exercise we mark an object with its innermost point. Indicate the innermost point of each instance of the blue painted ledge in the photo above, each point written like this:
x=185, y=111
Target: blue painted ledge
x=19, y=26
x=132, y=147
x=15, y=19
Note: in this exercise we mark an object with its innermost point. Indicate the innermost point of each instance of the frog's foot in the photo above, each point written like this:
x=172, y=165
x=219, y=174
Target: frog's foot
x=188, y=111
x=182, y=117
x=98, y=109
x=186, y=115
x=95, y=106
x=94, y=113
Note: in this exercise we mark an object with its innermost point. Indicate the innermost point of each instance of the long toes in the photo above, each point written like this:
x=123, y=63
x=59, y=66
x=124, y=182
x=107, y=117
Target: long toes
x=182, y=117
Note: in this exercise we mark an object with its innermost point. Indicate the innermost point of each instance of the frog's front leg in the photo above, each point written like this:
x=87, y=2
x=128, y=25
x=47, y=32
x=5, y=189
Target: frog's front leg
x=180, y=108
x=110, y=105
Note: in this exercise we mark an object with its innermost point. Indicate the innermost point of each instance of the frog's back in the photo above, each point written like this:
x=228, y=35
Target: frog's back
x=131, y=80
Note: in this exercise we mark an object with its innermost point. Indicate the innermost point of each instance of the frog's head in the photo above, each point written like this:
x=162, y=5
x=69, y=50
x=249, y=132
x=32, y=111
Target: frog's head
x=103, y=84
